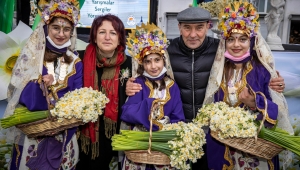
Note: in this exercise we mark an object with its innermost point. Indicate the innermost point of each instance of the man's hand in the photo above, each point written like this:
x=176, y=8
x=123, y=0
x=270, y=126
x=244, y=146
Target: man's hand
x=131, y=87
x=48, y=79
x=277, y=84
x=247, y=98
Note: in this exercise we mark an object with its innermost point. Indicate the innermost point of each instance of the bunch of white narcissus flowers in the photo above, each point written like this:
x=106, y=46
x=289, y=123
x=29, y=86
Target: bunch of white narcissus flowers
x=227, y=121
x=84, y=103
x=188, y=146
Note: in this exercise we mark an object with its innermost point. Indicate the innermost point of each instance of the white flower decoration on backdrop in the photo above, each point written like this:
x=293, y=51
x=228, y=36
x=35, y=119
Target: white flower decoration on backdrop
x=10, y=48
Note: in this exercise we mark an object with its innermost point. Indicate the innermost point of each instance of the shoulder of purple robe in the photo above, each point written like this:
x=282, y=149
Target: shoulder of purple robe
x=78, y=77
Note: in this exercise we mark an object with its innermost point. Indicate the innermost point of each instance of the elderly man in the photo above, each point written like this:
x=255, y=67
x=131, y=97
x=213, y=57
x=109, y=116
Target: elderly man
x=192, y=55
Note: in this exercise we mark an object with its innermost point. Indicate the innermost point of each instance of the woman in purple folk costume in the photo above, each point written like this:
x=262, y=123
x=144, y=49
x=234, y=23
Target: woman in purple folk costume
x=49, y=59
x=160, y=95
x=240, y=77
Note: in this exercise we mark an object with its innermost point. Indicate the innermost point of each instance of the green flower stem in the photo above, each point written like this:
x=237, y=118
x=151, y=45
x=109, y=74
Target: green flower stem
x=282, y=139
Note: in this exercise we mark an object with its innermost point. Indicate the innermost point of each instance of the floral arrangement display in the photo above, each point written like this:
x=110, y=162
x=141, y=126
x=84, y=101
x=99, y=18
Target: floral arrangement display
x=227, y=121
x=58, y=8
x=241, y=16
x=144, y=39
x=180, y=141
x=215, y=7
x=236, y=122
x=84, y=103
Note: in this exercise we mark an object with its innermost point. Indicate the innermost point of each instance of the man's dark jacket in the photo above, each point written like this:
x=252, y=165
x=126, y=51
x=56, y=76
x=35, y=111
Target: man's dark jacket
x=191, y=71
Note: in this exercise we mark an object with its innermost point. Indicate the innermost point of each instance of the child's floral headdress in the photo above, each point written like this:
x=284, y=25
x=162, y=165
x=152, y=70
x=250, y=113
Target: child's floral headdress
x=145, y=40
x=68, y=9
x=239, y=17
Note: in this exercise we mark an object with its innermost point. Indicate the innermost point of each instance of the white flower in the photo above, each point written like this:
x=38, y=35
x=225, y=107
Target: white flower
x=84, y=103
x=125, y=73
x=227, y=121
x=10, y=47
x=188, y=146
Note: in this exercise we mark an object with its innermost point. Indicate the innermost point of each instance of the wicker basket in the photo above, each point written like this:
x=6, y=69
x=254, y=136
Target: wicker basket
x=142, y=156
x=260, y=148
x=148, y=156
x=254, y=146
x=48, y=126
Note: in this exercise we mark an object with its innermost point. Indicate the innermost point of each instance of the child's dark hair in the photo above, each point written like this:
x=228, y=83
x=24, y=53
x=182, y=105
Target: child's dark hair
x=51, y=56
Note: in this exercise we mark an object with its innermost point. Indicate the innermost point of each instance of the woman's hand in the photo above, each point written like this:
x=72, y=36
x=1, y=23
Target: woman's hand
x=247, y=98
x=48, y=79
x=277, y=84
x=131, y=87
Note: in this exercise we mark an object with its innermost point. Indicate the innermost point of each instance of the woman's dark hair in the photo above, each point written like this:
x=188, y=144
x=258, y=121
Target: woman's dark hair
x=116, y=23
x=229, y=66
x=141, y=70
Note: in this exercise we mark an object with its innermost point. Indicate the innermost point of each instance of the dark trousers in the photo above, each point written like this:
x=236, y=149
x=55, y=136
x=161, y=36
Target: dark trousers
x=201, y=164
x=105, y=153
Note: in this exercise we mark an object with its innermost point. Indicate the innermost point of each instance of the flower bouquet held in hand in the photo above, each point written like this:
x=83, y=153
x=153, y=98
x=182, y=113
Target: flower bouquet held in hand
x=238, y=128
x=181, y=142
x=73, y=109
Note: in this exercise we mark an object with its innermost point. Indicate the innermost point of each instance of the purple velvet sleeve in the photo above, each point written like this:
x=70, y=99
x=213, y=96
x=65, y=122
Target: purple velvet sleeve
x=137, y=110
x=32, y=97
x=271, y=108
x=177, y=114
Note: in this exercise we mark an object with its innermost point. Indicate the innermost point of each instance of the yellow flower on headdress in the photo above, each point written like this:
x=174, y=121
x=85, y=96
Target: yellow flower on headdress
x=70, y=10
x=151, y=43
x=55, y=5
x=242, y=22
x=231, y=24
x=136, y=41
x=146, y=39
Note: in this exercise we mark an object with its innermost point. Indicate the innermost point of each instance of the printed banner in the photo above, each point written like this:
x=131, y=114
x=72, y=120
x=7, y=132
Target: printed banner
x=131, y=12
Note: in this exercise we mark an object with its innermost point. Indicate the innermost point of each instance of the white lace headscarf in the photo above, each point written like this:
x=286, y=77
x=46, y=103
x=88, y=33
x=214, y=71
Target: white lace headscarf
x=28, y=67
x=265, y=56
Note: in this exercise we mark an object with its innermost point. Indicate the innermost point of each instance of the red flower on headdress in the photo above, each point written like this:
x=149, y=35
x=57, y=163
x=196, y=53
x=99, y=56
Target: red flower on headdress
x=233, y=15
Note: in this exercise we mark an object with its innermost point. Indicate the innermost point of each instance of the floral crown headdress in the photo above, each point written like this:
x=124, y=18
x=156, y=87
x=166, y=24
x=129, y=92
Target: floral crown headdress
x=145, y=40
x=239, y=17
x=68, y=9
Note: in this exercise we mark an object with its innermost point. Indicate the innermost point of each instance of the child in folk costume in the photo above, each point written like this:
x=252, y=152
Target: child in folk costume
x=240, y=77
x=48, y=58
x=160, y=95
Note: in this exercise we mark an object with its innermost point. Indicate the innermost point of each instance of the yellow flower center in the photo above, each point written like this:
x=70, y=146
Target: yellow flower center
x=10, y=63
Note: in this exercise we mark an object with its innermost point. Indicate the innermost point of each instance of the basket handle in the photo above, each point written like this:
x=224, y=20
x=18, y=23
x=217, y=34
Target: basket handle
x=46, y=94
x=150, y=131
x=264, y=115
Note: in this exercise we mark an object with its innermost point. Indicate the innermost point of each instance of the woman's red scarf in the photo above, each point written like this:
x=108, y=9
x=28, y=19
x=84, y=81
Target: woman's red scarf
x=90, y=130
